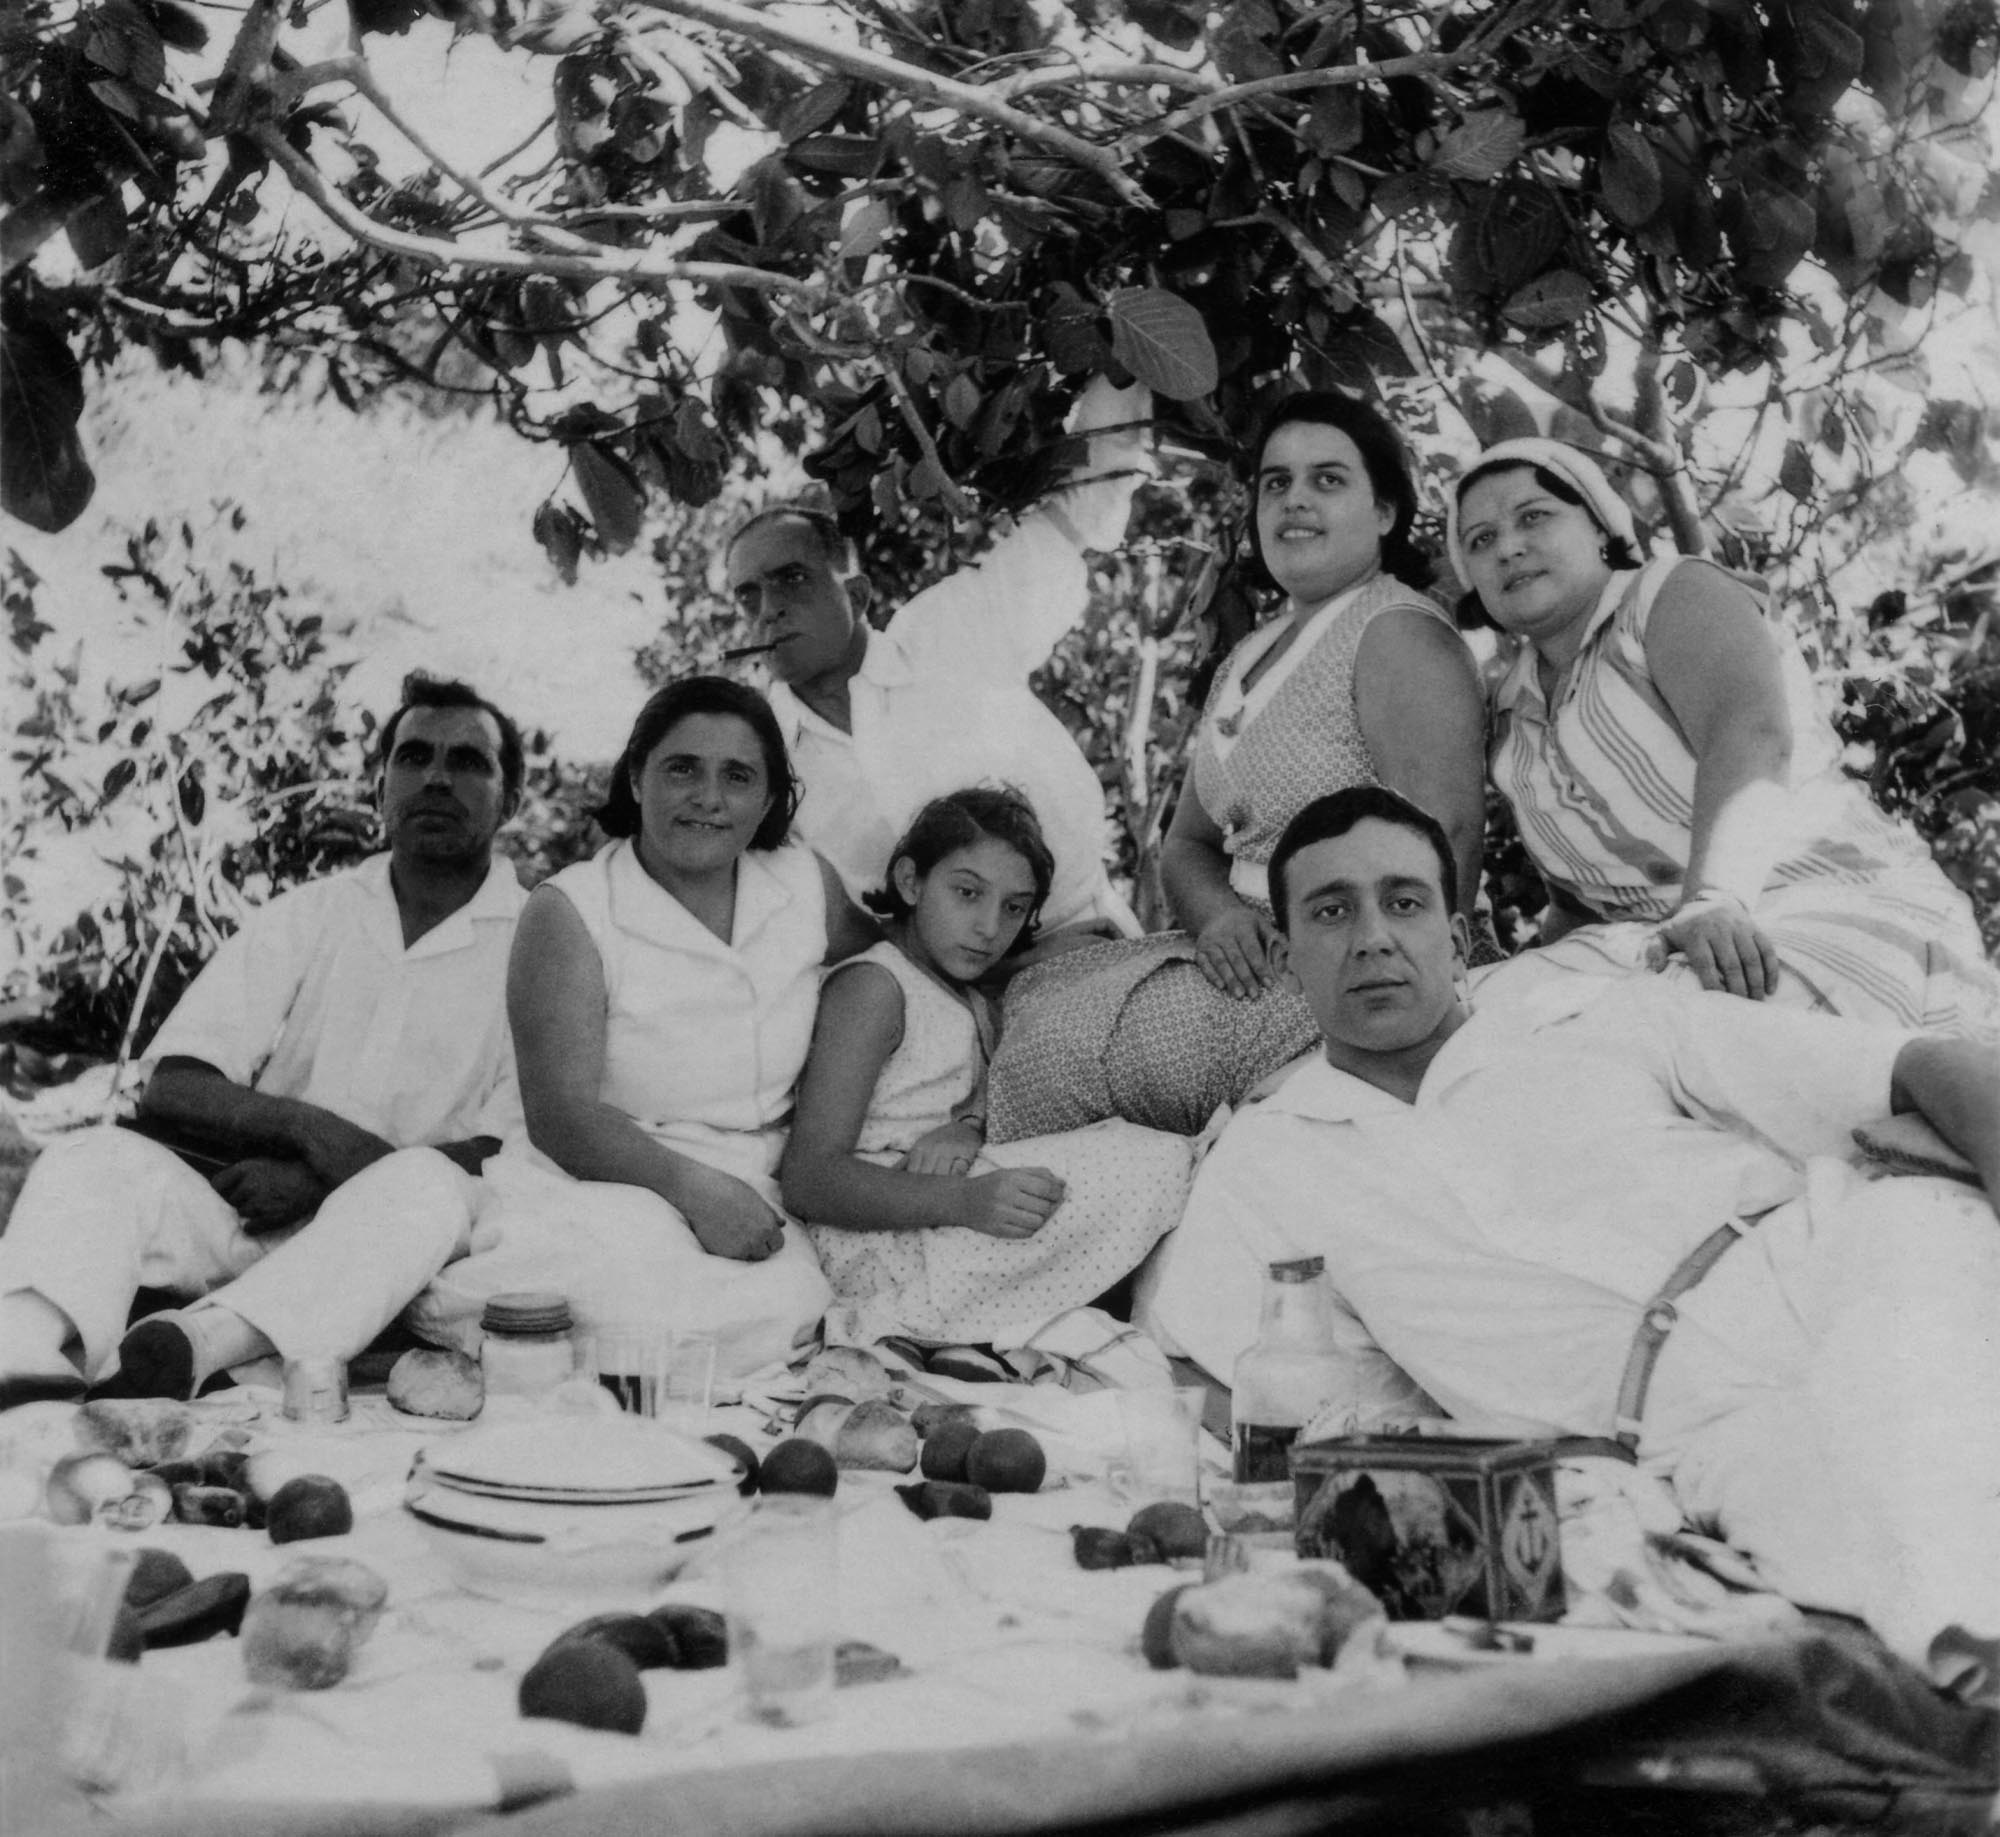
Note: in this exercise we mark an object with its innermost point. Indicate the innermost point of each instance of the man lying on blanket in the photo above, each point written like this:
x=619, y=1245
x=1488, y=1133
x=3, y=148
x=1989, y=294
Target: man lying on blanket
x=1504, y=1192
x=336, y=1056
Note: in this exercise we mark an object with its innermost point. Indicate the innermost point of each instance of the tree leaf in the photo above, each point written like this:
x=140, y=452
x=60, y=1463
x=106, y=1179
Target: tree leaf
x=1795, y=472
x=611, y=494
x=1242, y=41
x=1630, y=175
x=817, y=108
x=866, y=229
x=1482, y=146
x=1549, y=301
x=1162, y=340
x=122, y=772
x=194, y=800
x=561, y=536
x=1070, y=333
x=961, y=401
x=44, y=477
x=1334, y=123
x=1175, y=23
x=177, y=25
x=98, y=231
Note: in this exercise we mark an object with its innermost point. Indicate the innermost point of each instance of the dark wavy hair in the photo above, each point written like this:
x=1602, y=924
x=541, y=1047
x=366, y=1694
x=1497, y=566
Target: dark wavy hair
x=1337, y=813
x=962, y=819
x=1383, y=457
x=423, y=691
x=665, y=709
x=1470, y=611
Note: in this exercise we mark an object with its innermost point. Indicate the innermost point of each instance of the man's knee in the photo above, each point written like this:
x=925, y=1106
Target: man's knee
x=419, y=1187
x=91, y=1167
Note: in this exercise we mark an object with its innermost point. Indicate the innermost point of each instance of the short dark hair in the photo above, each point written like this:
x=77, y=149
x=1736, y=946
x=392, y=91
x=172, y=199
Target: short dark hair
x=665, y=709
x=962, y=819
x=834, y=547
x=1383, y=456
x=424, y=691
x=1337, y=813
x=1470, y=613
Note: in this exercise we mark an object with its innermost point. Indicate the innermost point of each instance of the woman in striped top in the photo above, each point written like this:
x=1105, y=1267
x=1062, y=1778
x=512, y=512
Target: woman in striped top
x=1672, y=776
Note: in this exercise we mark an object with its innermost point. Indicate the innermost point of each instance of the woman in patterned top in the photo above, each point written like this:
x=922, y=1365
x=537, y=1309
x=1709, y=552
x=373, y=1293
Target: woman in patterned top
x=1672, y=777
x=1357, y=679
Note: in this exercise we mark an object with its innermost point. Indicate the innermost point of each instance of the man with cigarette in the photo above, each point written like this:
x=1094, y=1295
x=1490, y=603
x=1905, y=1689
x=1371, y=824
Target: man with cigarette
x=880, y=722
x=317, y=1099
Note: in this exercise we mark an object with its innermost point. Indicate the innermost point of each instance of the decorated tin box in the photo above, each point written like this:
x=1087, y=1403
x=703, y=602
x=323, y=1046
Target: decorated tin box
x=1436, y=1526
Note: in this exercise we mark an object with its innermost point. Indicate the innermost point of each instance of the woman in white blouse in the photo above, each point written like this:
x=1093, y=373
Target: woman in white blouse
x=662, y=997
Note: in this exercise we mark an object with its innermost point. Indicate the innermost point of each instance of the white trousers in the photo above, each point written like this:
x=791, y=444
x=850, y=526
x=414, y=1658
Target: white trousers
x=1830, y=1401
x=107, y=1212
x=624, y=1257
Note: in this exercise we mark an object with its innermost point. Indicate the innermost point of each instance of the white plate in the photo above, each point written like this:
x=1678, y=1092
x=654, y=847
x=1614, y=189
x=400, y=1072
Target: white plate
x=558, y=1495
x=573, y=1455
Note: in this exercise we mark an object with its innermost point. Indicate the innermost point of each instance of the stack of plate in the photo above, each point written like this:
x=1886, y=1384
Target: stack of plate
x=568, y=1503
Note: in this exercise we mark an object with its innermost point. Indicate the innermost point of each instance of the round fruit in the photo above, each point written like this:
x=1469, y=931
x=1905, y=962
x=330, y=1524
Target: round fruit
x=742, y=1454
x=81, y=1485
x=798, y=1466
x=945, y=1449
x=310, y=1506
x=1177, y=1528
x=1156, y=1637
x=586, y=1682
x=155, y=1575
x=1006, y=1461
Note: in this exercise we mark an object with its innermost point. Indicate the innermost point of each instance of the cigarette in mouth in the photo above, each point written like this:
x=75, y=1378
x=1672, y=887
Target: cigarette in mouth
x=749, y=650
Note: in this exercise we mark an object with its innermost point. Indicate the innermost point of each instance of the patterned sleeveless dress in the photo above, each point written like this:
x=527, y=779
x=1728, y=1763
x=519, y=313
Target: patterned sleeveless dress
x=949, y=1285
x=1602, y=788
x=1134, y=1029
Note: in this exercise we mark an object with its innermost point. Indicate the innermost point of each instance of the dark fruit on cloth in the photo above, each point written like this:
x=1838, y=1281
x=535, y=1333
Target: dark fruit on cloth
x=586, y=1682
x=1099, y=1548
x=946, y=1499
x=742, y=1454
x=220, y=1505
x=155, y=1573
x=127, y=1642
x=1156, y=1637
x=1177, y=1528
x=945, y=1449
x=643, y=1640
x=797, y=1466
x=928, y=1418
x=698, y=1636
x=310, y=1506
x=1006, y=1461
x=199, y=1611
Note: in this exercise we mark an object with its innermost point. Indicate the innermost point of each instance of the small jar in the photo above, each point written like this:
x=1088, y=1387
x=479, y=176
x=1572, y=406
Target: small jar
x=526, y=1351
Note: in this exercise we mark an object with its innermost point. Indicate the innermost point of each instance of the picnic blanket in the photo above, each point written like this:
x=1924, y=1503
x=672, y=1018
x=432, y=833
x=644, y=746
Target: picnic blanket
x=1023, y=1703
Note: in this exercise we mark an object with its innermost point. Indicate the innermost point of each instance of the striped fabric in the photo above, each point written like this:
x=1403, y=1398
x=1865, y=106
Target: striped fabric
x=1602, y=789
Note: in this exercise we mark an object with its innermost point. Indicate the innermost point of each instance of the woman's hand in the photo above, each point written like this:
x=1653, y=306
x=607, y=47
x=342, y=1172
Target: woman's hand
x=950, y=1148
x=1723, y=946
x=1016, y=1202
x=1234, y=952
x=728, y=1218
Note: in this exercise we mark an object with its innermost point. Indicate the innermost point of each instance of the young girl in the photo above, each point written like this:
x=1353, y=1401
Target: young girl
x=923, y=1232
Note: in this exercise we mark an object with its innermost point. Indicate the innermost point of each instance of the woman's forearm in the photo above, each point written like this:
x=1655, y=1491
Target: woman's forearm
x=1196, y=877
x=598, y=1141
x=828, y=1188
x=1742, y=813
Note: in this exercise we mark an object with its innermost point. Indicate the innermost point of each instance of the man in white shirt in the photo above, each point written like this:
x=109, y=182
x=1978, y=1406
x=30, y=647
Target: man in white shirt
x=880, y=722
x=333, y=1059
x=1504, y=1194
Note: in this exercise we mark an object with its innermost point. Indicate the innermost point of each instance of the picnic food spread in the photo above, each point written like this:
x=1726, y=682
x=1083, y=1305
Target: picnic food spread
x=401, y=1568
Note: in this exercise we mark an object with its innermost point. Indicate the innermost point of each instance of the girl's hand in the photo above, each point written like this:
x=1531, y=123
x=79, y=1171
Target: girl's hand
x=1016, y=1202
x=1234, y=952
x=1723, y=946
x=728, y=1218
x=950, y=1148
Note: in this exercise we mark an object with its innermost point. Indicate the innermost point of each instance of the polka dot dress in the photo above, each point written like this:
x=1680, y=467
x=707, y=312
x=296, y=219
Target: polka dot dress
x=1125, y=1185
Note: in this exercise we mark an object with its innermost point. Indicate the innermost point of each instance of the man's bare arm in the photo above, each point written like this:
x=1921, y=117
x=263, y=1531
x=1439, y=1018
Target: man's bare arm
x=191, y=1094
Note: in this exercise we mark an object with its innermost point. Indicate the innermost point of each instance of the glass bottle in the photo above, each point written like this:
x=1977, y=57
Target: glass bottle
x=1289, y=1373
x=526, y=1351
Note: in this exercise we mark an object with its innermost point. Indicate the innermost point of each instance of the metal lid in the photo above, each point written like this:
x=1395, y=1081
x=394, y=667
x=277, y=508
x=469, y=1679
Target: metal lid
x=1298, y=1269
x=527, y=1311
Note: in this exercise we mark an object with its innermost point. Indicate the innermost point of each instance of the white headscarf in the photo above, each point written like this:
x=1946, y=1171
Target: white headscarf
x=1570, y=464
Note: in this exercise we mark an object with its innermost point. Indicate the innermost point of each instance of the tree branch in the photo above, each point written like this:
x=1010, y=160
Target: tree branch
x=967, y=98
x=609, y=265
x=948, y=486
